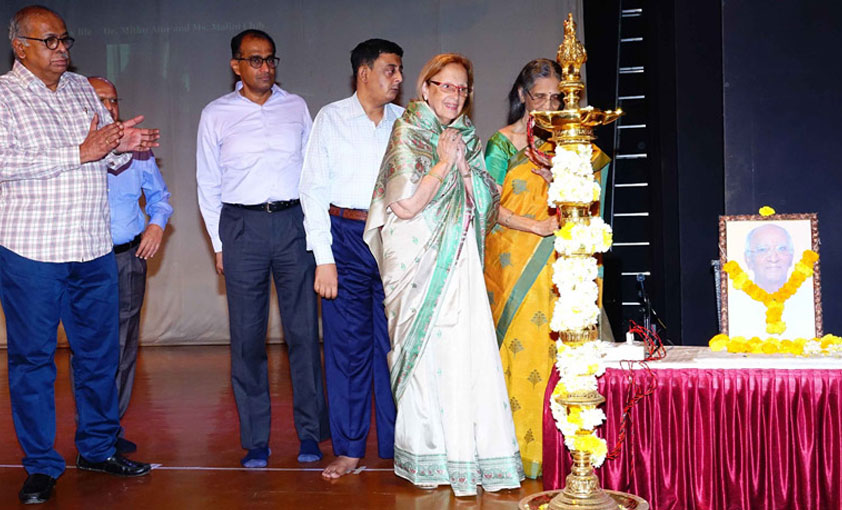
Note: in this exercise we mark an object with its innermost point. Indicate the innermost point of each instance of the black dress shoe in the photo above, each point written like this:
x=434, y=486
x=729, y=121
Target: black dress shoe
x=114, y=465
x=37, y=488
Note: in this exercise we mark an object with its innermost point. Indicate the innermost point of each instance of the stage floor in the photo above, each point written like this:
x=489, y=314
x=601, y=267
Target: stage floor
x=183, y=418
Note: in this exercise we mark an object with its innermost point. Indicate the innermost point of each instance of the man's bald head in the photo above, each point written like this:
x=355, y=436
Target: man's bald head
x=107, y=93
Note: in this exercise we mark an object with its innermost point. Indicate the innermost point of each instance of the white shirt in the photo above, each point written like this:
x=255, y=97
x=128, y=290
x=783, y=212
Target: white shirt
x=248, y=153
x=53, y=208
x=341, y=166
x=747, y=317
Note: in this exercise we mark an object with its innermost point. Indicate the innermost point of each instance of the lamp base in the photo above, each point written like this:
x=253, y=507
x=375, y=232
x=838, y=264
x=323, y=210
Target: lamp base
x=554, y=500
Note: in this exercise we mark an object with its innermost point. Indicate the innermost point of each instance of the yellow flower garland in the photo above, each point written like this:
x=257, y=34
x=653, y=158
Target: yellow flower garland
x=828, y=344
x=774, y=302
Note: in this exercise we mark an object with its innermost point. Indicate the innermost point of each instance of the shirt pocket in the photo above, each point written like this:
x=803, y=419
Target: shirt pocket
x=241, y=150
x=284, y=138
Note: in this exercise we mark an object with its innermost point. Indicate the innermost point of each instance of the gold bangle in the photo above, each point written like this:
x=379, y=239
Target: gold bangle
x=436, y=176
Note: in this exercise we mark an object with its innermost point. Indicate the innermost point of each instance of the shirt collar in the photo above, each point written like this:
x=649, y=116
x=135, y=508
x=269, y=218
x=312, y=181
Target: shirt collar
x=276, y=91
x=355, y=107
x=26, y=77
x=356, y=110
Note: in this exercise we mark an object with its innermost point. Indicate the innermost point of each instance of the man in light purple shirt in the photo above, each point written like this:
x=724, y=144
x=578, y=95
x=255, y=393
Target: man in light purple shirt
x=248, y=163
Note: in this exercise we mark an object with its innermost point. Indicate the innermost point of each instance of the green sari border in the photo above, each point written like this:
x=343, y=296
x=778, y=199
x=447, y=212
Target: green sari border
x=527, y=278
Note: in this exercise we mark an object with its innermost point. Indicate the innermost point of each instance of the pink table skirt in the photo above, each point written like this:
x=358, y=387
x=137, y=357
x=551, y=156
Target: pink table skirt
x=720, y=439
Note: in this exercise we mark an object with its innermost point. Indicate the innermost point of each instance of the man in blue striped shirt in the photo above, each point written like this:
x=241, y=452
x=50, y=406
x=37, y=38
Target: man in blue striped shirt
x=135, y=241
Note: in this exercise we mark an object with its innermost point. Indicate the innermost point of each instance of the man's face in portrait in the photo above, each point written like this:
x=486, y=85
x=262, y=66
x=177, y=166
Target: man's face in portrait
x=769, y=254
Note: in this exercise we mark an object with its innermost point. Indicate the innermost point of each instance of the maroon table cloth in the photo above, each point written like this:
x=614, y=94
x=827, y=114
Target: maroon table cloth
x=720, y=439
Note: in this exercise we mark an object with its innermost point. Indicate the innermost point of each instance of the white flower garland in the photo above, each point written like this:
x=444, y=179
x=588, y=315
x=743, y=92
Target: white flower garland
x=575, y=309
x=571, y=271
x=579, y=367
x=574, y=275
x=573, y=176
x=575, y=238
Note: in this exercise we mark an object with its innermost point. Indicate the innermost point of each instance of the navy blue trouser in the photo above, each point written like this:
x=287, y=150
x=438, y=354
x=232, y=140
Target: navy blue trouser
x=356, y=343
x=83, y=295
x=255, y=246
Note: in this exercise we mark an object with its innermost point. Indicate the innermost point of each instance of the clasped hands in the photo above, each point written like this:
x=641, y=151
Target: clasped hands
x=451, y=149
x=120, y=136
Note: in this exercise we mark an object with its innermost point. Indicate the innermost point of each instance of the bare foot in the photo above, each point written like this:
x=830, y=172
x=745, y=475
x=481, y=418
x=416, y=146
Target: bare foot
x=340, y=467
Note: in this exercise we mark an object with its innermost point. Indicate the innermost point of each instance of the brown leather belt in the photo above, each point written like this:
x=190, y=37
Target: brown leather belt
x=351, y=214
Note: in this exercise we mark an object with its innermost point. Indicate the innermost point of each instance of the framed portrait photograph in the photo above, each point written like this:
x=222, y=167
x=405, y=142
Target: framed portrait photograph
x=767, y=248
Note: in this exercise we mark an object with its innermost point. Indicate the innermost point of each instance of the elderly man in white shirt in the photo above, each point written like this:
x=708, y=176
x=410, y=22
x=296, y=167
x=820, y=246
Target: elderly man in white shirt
x=343, y=158
x=248, y=162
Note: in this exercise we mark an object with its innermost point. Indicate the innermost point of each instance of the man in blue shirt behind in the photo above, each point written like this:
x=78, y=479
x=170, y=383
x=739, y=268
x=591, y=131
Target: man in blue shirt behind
x=134, y=243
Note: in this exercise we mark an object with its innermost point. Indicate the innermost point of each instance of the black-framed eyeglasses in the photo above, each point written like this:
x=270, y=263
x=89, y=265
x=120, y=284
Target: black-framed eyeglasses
x=52, y=42
x=257, y=62
x=543, y=98
x=449, y=87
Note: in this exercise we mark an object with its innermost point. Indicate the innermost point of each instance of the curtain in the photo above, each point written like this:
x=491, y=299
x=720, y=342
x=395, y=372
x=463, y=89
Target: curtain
x=720, y=439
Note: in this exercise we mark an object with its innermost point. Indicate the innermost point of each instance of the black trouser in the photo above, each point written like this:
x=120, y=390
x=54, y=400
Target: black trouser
x=255, y=245
x=131, y=280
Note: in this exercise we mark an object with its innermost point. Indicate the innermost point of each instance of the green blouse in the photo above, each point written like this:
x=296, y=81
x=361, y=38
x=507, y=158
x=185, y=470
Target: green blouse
x=498, y=150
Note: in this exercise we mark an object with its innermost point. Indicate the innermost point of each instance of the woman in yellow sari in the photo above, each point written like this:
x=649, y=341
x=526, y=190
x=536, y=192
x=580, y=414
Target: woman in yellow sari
x=518, y=272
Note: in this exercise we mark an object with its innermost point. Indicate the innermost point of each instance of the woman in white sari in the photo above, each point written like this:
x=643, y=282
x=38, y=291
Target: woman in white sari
x=433, y=205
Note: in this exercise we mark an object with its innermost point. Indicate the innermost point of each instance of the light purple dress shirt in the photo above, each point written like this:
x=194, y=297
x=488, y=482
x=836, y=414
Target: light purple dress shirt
x=248, y=153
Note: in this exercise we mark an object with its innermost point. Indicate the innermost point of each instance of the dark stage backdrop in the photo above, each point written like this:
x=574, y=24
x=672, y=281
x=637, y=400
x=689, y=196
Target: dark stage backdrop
x=169, y=58
x=782, y=89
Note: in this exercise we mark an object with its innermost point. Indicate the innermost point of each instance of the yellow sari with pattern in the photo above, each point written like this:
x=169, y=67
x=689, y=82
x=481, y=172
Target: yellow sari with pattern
x=518, y=276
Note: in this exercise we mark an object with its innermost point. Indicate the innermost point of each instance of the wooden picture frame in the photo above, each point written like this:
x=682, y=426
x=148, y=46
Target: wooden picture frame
x=762, y=254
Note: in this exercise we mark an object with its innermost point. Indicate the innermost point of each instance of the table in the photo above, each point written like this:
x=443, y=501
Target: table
x=722, y=431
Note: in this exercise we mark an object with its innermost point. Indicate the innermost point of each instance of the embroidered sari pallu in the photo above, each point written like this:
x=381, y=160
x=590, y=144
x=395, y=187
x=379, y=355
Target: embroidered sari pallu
x=453, y=425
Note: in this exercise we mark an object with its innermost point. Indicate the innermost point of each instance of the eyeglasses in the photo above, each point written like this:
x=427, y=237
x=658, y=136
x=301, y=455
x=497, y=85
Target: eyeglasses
x=52, y=42
x=543, y=98
x=257, y=62
x=110, y=100
x=447, y=88
x=765, y=251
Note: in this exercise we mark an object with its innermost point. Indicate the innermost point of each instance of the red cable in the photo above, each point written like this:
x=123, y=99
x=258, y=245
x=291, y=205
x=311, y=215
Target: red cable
x=654, y=351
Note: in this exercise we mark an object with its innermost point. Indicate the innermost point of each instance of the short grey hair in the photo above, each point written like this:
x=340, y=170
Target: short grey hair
x=15, y=27
x=17, y=23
